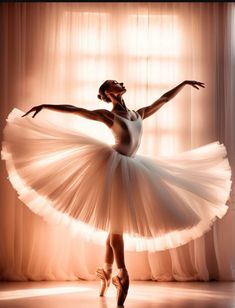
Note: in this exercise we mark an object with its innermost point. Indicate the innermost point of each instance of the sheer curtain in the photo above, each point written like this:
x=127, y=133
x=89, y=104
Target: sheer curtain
x=60, y=53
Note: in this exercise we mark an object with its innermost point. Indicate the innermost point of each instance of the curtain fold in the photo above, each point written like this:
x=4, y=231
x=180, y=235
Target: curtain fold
x=60, y=53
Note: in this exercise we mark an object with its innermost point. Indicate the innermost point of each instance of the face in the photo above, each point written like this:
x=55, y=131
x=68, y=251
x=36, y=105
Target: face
x=116, y=88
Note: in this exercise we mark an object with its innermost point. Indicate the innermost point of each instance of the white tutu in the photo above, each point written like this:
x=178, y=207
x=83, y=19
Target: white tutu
x=157, y=203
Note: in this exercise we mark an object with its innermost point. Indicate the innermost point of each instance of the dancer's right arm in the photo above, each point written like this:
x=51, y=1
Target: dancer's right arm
x=101, y=115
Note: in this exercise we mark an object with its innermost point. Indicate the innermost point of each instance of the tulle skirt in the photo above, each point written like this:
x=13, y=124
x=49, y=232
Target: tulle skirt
x=82, y=183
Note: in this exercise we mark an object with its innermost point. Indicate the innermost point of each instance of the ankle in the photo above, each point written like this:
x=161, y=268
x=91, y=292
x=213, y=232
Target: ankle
x=122, y=272
x=108, y=267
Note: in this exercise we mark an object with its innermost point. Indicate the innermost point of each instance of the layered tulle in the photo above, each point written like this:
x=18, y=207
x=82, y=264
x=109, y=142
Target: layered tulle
x=71, y=179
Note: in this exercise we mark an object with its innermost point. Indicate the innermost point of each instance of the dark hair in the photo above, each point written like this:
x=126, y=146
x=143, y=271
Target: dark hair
x=102, y=90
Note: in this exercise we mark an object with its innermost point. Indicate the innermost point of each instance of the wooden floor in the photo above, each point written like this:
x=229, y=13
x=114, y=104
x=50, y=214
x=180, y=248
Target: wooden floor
x=147, y=294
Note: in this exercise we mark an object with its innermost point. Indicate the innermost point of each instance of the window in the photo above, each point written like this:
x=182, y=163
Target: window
x=142, y=50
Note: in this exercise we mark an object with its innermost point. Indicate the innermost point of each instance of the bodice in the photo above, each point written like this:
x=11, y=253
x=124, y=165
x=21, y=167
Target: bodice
x=127, y=134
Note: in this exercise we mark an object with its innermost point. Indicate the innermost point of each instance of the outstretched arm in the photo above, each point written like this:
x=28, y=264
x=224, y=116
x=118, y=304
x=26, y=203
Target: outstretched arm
x=149, y=110
x=101, y=115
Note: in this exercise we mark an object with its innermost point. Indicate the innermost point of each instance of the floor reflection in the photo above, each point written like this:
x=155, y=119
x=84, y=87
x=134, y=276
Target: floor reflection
x=32, y=292
x=85, y=294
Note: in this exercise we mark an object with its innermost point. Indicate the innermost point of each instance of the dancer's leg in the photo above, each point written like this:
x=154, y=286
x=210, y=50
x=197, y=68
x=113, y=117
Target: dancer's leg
x=117, y=244
x=109, y=258
x=105, y=273
x=121, y=281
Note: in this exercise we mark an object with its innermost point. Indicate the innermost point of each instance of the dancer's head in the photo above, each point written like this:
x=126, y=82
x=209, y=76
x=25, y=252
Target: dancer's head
x=112, y=87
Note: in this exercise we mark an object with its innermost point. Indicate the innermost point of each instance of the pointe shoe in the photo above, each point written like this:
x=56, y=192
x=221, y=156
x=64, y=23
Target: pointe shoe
x=122, y=286
x=105, y=280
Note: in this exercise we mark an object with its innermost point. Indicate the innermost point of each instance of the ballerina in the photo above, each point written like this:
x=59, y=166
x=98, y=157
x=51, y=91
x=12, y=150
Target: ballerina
x=176, y=195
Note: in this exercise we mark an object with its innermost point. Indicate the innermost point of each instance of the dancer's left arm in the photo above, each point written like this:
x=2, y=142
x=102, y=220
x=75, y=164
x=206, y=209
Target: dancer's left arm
x=149, y=110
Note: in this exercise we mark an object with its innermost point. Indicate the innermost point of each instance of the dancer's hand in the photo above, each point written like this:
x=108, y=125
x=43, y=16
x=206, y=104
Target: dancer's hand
x=195, y=84
x=36, y=109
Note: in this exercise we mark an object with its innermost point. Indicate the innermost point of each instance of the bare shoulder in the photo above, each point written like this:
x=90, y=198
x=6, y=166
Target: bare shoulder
x=141, y=112
x=105, y=113
x=104, y=116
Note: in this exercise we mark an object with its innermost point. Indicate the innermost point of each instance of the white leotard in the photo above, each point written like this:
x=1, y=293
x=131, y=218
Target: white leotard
x=127, y=134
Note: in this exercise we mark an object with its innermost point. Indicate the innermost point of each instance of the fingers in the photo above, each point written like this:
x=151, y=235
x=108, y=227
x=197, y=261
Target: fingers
x=197, y=84
x=31, y=110
x=201, y=84
x=34, y=114
x=25, y=114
